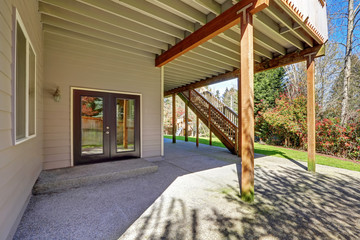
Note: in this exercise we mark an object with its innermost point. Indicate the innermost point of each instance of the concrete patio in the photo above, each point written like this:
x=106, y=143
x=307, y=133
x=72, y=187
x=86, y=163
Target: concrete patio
x=194, y=195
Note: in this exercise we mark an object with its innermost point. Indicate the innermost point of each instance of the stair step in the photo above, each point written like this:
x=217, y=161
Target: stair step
x=57, y=180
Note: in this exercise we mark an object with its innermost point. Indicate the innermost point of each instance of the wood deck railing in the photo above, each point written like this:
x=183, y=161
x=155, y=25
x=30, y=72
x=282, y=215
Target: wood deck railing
x=219, y=123
x=216, y=102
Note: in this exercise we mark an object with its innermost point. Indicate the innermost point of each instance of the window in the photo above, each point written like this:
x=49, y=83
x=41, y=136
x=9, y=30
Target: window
x=24, y=87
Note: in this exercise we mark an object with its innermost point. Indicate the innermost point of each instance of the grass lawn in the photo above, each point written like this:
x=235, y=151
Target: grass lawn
x=284, y=153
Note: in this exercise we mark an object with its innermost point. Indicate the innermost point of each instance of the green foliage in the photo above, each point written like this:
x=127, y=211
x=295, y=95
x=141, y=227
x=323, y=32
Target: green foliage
x=284, y=153
x=337, y=140
x=268, y=86
x=286, y=125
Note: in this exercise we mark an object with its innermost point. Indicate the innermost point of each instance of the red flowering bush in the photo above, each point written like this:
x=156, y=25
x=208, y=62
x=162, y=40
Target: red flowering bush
x=333, y=139
x=286, y=125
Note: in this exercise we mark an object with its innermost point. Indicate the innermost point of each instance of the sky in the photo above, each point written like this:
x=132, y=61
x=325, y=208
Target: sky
x=223, y=85
x=339, y=35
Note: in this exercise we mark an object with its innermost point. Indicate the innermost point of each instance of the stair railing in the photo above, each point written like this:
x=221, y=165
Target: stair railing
x=227, y=111
x=214, y=115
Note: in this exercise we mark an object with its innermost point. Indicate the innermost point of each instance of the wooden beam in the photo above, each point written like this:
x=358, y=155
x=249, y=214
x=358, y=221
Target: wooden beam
x=220, y=78
x=186, y=122
x=295, y=57
x=246, y=108
x=221, y=23
x=311, y=113
x=174, y=117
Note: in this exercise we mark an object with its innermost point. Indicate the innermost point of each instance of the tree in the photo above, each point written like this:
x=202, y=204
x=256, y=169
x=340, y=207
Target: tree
x=268, y=86
x=295, y=80
x=345, y=16
x=328, y=69
x=230, y=99
x=335, y=104
x=91, y=106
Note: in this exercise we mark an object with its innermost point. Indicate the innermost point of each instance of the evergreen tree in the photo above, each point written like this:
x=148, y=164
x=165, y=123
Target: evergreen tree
x=268, y=86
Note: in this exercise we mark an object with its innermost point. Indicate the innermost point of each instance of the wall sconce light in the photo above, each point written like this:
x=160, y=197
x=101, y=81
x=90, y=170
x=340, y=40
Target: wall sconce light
x=57, y=95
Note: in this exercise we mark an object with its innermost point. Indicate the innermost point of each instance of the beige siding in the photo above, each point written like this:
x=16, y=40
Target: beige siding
x=73, y=63
x=20, y=165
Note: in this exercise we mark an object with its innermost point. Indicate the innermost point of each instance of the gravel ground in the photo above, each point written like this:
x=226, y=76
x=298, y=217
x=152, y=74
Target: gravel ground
x=194, y=195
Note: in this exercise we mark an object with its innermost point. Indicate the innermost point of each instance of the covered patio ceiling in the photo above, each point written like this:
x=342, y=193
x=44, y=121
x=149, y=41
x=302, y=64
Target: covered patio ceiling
x=149, y=28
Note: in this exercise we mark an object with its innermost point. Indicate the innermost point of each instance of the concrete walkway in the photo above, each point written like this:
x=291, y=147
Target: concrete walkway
x=194, y=195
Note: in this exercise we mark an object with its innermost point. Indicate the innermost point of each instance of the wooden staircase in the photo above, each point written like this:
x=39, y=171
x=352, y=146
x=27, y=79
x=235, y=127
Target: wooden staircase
x=221, y=120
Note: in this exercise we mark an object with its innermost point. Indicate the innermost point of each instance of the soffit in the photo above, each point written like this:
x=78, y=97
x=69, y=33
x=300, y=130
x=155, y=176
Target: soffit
x=150, y=27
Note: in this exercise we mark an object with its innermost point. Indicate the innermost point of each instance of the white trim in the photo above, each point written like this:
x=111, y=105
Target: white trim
x=105, y=91
x=27, y=75
x=162, y=69
x=18, y=20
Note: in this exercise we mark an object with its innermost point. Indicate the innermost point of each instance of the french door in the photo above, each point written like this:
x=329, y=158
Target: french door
x=106, y=126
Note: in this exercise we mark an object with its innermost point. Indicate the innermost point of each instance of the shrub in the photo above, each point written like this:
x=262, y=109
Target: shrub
x=286, y=125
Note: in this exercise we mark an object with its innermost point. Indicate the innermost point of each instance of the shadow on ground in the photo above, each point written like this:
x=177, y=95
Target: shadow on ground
x=194, y=195
x=289, y=204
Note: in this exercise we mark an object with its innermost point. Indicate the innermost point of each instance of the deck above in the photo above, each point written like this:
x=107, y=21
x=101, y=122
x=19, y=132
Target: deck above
x=149, y=28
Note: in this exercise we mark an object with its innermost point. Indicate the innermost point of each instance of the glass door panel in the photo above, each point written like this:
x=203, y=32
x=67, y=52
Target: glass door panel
x=106, y=126
x=125, y=125
x=92, y=140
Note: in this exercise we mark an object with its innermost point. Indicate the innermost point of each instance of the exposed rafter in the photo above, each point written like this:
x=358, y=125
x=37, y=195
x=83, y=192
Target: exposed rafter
x=277, y=13
x=291, y=58
x=271, y=26
x=62, y=18
x=161, y=27
x=221, y=23
x=182, y=9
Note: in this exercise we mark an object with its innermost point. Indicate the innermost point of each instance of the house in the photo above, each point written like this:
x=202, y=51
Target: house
x=109, y=62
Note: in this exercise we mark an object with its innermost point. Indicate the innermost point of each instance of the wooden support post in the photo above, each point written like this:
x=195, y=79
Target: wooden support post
x=246, y=108
x=174, y=117
x=209, y=126
x=197, y=131
x=311, y=112
x=125, y=128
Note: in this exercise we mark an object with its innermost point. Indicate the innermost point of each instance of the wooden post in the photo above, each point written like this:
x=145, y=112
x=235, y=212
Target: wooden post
x=311, y=113
x=209, y=126
x=174, y=117
x=197, y=131
x=186, y=122
x=125, y=128
x=246, y=107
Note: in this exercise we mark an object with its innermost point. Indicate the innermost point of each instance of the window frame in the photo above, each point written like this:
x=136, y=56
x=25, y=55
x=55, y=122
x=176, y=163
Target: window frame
x=19, y=22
